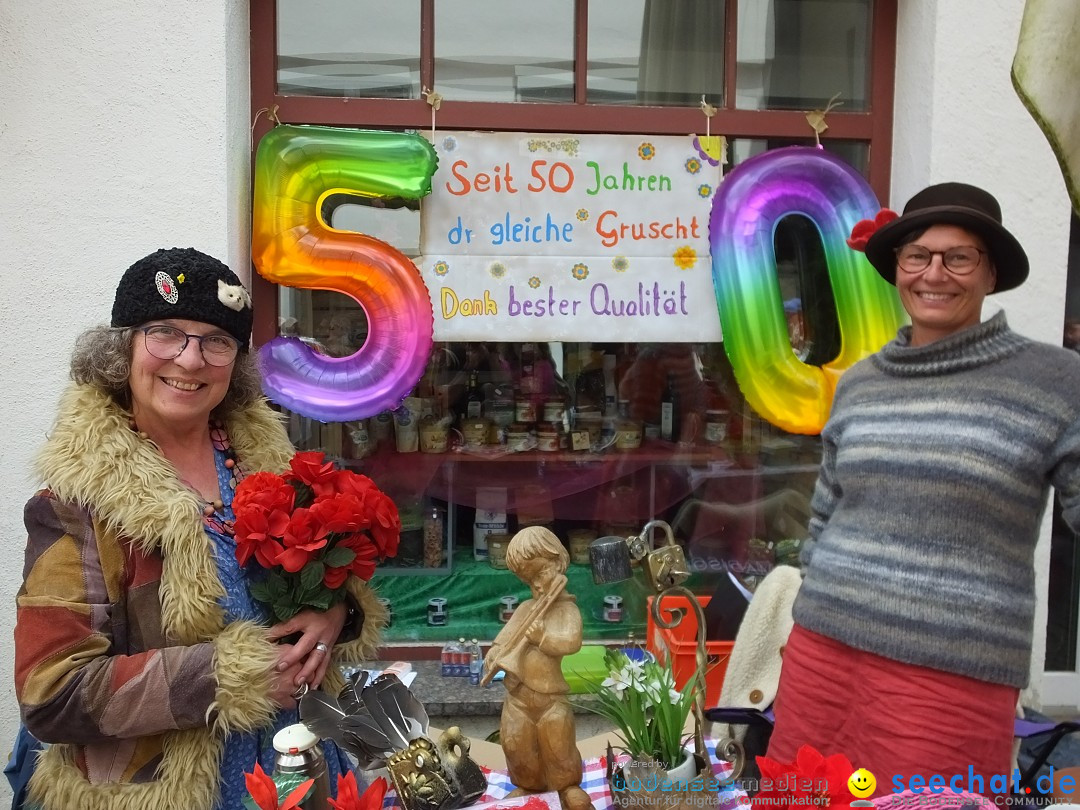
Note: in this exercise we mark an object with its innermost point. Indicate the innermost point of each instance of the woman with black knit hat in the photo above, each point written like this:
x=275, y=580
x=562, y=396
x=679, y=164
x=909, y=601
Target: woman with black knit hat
x=141, y=658
x=914, y=623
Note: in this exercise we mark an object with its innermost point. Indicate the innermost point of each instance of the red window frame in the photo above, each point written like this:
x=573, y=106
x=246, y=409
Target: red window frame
x=873, y=126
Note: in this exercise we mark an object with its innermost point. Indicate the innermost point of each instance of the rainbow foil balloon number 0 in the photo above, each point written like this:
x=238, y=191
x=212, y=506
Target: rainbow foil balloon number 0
x=296, y=169
x=749, y=203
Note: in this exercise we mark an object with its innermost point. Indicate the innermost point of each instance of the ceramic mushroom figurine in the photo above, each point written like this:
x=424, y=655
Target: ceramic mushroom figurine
x=537, y=726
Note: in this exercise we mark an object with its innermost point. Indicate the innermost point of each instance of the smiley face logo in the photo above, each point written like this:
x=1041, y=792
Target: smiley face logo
x=861, y=783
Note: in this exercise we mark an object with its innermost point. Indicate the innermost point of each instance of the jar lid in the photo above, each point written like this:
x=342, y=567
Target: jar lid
x=508, y=600
x=613, y=600
x=294, y=739
x=436, y=602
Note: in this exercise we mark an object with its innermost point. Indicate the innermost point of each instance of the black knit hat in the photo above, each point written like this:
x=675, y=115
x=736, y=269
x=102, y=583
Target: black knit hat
x=952, y=204
x=183, y=283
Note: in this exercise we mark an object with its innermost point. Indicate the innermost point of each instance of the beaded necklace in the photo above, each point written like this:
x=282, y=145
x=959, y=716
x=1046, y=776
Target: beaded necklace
x=213, y=511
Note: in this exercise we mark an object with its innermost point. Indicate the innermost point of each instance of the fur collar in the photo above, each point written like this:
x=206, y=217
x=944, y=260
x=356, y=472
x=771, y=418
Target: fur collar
x=92, y=457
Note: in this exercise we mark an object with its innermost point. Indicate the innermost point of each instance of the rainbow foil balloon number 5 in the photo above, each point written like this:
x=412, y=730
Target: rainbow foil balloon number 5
x=751, y=200
x=296, y=169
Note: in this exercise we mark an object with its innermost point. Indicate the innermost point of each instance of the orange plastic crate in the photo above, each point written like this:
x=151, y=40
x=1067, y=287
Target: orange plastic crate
x=680, y=642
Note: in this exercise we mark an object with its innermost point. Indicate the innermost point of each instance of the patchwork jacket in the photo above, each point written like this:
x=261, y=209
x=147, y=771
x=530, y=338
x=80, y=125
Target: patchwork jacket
x=123, y=660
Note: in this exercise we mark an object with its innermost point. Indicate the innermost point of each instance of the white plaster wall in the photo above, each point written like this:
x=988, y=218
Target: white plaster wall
x=123, y=128
x=957, y=117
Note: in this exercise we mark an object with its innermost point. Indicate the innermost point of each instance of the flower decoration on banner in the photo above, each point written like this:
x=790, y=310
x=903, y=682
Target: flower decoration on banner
x=310, y=528
x=349, y=796
x=449, y=143
x=649, y=713
x=497, y=269
x=704, y=190
x=693, y=165
x=811, y=780
x=684, y=257
x=646, y=151
x=582, y=214
x=580, y=271
x=441, y=268
x=534, y=282
x=865, y=228
x=620, y=264
x=263, y=790
x=710, y=147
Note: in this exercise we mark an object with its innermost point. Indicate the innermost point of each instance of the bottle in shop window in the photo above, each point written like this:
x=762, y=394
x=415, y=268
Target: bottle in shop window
x=461, y=659
x=611, y=393
x=527, y=380
x=476, y=662
x=669, y=412
x=448, y=658
x=474, y=399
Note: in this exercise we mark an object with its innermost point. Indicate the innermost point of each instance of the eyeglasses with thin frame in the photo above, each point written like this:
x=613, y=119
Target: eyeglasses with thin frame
x=960, y=261
x=168, y=342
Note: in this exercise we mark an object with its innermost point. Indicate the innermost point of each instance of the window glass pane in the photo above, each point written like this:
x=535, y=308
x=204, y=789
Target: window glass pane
x=656, y=52
x=661, y=431
x=798, y=54
x=504, y=50
x=854, y=153
x=363, y=48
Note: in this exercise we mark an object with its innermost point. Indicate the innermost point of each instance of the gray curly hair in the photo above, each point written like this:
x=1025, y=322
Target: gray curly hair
x=102, y=358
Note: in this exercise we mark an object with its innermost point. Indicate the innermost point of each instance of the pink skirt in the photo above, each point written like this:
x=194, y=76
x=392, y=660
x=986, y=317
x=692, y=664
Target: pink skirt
x=896, y=720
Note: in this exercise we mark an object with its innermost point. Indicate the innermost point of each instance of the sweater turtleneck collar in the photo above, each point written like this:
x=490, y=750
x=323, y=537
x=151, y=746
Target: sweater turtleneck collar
x=979, y=345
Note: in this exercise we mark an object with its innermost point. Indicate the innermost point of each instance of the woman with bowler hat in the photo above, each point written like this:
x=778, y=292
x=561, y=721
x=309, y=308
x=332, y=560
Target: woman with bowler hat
x=140, y=657
x=914, y=622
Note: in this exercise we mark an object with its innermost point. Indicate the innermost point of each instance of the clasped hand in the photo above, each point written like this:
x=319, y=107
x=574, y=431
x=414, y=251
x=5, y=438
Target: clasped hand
x=305, y=661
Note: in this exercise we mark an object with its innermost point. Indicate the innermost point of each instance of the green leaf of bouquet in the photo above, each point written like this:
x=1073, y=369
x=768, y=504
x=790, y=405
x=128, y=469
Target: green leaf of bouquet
x=277, y=585
x=339, y=556
x=322, y=600
x=260, y=592
x=311, y=575
x=304, y=494
x=286, y=607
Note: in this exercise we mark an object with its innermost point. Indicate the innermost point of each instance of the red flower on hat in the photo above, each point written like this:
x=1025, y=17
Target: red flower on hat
x=865, y=228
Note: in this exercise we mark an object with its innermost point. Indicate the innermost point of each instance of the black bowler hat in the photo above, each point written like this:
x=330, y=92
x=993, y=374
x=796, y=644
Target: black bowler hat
x=187, y=284
x=952, y=204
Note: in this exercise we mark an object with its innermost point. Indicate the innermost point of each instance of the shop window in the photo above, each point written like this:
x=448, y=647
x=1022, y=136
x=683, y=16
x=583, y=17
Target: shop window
x=482, y=55
x=342, y=53
x=591, y=438
x=654, y=52
x=799, y=54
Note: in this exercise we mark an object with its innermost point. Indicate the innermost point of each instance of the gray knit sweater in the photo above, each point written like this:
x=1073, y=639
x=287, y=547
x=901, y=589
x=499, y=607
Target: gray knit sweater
x=936, y=465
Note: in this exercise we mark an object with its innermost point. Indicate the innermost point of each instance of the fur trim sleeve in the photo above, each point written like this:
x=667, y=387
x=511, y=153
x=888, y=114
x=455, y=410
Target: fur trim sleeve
x=244, y=667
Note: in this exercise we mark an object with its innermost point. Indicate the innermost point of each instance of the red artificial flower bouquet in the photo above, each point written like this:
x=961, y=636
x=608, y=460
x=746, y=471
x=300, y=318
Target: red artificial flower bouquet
x=311, y=527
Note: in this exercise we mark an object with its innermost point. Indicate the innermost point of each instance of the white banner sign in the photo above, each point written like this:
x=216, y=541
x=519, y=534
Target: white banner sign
x=571, y=237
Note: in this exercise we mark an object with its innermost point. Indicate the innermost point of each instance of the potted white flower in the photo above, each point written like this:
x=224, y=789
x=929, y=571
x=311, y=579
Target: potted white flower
x=649, y=713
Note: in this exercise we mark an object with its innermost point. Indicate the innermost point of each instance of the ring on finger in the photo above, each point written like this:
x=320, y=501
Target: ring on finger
x=301, y=690
x=322, y=648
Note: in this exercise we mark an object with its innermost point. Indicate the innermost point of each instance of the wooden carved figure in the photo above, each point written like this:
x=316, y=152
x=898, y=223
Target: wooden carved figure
x=537, y=725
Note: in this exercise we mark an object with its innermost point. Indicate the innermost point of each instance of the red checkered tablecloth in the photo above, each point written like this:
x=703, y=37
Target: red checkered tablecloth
x=593, y=782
